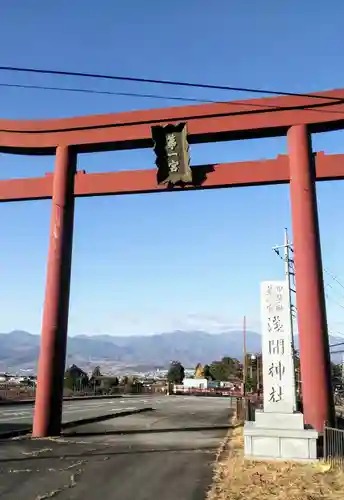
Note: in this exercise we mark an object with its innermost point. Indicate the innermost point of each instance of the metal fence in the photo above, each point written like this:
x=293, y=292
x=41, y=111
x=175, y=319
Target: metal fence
x=246, y=409
x=334, y=446
x=18, y=393
x=179, y=390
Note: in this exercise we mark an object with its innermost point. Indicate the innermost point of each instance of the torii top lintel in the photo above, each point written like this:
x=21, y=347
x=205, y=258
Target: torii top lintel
x=244, y=119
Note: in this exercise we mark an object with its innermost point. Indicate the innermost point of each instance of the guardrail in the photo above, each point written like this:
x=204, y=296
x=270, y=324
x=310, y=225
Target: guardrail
x=24, y=394
x=9, y=395
x=216, y=391
x=246, y=407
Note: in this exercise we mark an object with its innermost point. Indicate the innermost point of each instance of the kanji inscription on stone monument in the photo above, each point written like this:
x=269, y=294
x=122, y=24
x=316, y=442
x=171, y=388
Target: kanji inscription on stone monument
x=277, y=342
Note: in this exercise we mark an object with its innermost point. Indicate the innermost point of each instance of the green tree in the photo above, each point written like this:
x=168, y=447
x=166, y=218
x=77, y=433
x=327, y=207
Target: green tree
x=336, y=375
x=176, y=373
x=96, y=372
x=254, y=372
x=296, y=359
x=207, y=373
x=109, y=383
x=135, y=385
x=225, y=369
x=95, y=380
x=336, y=372
x=219, y=371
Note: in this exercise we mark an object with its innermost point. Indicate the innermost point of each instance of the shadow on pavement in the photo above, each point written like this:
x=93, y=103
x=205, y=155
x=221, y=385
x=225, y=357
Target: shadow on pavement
x=107, y=453
x=12, y=430
x=10, y=426
x=147, y=431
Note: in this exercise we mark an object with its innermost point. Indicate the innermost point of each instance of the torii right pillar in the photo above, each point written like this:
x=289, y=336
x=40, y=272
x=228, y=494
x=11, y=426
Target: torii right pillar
x=318, y=406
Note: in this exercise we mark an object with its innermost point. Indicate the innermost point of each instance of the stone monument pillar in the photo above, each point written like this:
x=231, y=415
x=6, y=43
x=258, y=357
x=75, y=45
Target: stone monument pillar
x=278, y=431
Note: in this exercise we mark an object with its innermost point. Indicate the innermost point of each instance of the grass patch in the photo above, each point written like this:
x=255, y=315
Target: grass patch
x=236, y=478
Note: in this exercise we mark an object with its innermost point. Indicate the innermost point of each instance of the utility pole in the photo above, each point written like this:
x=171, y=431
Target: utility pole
x=287, y=246
x=258, y=375
x=287, y=262
x=245, y=359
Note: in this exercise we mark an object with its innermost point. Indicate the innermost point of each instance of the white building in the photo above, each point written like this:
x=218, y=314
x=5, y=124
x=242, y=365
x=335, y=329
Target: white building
x=195, y=383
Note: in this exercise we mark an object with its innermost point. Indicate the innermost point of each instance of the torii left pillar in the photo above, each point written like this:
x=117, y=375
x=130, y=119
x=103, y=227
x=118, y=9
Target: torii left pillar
x=51, y=364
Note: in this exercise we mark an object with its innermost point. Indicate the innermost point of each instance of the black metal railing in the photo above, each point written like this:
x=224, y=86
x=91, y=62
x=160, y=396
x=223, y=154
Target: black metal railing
x=246, y=409
x=334, y=446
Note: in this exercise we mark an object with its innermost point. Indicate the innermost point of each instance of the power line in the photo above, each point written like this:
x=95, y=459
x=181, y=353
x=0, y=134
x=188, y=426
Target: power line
x=144, y=95
x=337, y=344
x=268, y=107
x=155, y=96
x=332, y=276
x=106, y=92
x=334, y=289
x=291, y=265
x=329, y=285
x=335, y=301
x=174, y=83
x=165, y=97
x=335, y=278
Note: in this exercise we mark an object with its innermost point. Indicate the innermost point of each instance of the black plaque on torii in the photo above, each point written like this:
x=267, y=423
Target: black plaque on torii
x=172, y=153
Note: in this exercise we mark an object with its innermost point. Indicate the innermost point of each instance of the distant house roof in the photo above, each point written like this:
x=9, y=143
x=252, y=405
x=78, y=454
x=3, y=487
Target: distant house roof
x=76, y=370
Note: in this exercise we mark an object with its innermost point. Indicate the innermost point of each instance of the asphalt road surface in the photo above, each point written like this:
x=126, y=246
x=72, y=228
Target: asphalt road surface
x=165, y=454
x=16, y=417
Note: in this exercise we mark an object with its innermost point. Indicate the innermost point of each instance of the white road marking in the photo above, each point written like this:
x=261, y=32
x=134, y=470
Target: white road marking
x=21, y=415
x=14, y=414
x=13, y=419
x=125, y=409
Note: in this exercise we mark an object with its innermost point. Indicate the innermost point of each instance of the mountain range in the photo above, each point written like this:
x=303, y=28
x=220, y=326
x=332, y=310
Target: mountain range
x=19, y=349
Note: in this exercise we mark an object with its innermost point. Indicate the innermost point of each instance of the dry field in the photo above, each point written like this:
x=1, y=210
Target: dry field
x=236, y=478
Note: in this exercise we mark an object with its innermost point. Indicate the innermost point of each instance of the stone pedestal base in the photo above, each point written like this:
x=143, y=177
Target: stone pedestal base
x=277, y=436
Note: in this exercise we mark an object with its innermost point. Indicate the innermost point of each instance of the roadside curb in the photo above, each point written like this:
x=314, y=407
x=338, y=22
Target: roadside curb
x=234, y=424
x=76, y=423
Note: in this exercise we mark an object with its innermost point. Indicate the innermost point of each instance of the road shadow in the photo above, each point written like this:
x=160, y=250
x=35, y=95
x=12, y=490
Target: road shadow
x=123, y=432
x=11, y=429
x=107, y=453
x=10, y=426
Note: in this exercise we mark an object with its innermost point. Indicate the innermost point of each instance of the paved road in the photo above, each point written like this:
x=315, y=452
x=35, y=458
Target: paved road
x=20, y=416
x=165, y=454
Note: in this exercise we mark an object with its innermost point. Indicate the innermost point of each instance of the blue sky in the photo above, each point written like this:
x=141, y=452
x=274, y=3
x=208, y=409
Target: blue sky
x=151, y=263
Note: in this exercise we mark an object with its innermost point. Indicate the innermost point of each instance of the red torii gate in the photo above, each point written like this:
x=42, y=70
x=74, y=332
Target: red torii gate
x=295, y=116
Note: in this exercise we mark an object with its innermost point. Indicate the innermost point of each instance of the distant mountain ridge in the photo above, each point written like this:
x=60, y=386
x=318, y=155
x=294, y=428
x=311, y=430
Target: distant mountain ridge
x=20, y=349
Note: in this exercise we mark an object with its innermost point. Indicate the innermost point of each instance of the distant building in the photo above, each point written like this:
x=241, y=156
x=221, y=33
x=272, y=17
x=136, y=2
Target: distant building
x=195, y=383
